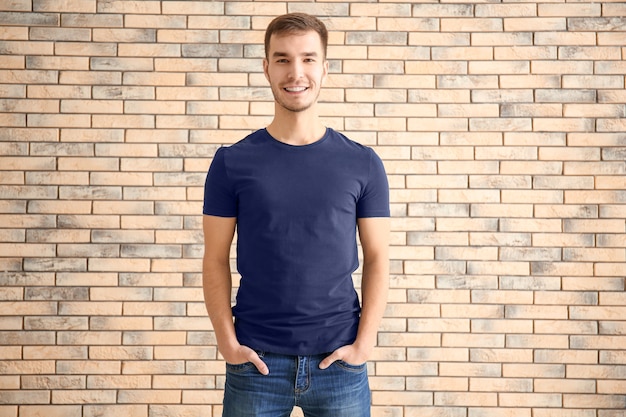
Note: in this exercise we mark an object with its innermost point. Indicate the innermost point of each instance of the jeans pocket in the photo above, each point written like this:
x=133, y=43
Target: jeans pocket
x=239, y=367
x=243, y=367
x=350, y=367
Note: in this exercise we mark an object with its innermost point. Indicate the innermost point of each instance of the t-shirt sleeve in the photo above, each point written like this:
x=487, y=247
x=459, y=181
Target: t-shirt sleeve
x=219, y=196
x=374, y=200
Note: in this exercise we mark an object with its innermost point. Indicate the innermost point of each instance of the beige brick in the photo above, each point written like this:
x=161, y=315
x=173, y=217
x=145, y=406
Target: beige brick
x=26, y=397
x=610, y=125
x=91, y=20
x=184, y=381
x=82, y=396
x=499, y=67
x=435, y=411
x=434, y=38
x=472, y=341
x=542, y=196
x=499, y=297
x=498, y=355
x=501, y=210
x=405, y=369
x=19, y=47
x=50, y=410
x=466, y=399
x=113, y=410
x=448, y=224
x=501, y=385
x=470, y=282
x=54, y=382
x=574, y=10
x=561, y=268
x=533, y=371
x=561, y=412
x=581, y=284
x=90, y=78
x=563, y=67
x=445, y=53
x=435, y=209
x=499, y=124
x=153, y=396
x=192, y=8
x=535, y=24
x=466, y=253
x=591, y=400
x=538, y=341
x=401, y=398
x=23, y=221
x=399, y=10
x=67, y=63
x=410, y=310
x=18, y=5
x=598, y=255
x=530, y=399
x=500, y=39
x=44, y=192
x=437, y=384
x=564, y=386
x=426, y=354
x=499, y=238
x=505, y=10
x=472, y=311
x=435, y=68
x=613, y=182
x=12, y=91
x=58, y=120
x=511, y=267
x=610, y=387
x=256, y=9
x=608, y=38
x=468, y=167
x=403, y=24
x=411, y=252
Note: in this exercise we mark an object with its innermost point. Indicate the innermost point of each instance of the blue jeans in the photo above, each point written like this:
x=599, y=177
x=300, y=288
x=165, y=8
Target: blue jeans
x=342, y=390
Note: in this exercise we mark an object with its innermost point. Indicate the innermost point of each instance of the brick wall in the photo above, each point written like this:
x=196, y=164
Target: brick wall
x=502, y=127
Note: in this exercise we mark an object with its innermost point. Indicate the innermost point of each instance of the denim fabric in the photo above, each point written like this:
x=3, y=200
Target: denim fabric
x=342, y=390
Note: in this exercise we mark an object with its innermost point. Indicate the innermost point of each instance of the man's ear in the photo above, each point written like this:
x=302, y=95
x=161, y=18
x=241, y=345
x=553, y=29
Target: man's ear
x=265, y=68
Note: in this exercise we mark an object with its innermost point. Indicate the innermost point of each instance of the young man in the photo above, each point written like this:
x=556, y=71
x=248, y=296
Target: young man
x=296, y=192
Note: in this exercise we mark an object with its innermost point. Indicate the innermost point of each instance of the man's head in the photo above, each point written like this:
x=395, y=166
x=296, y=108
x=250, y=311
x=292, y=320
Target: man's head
x=295, y=64
x=295, y=23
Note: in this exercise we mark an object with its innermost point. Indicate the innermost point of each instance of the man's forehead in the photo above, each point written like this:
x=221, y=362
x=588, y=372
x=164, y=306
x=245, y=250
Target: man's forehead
x=285, y=48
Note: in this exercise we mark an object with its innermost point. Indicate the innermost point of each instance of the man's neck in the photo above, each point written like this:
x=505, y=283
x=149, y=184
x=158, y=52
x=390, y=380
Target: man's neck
x=296, y=129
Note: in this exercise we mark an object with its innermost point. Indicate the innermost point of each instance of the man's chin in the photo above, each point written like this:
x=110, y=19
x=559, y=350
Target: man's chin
x=295, y=109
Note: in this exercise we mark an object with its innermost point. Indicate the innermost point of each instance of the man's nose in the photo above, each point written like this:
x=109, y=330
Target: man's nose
x=296, y=70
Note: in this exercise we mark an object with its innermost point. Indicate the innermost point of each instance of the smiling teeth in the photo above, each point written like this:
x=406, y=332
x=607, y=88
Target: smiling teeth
x=295, y=89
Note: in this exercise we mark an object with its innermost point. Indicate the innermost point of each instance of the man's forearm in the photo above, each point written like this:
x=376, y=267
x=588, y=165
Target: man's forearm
x=374, y=289
x=374, y=234
x=217, y=286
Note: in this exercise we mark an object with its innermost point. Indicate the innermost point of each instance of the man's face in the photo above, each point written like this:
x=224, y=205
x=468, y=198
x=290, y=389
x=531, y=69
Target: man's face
x=295, y=68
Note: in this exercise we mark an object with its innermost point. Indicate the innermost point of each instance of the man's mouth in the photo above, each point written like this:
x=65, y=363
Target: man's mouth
x=295, y=89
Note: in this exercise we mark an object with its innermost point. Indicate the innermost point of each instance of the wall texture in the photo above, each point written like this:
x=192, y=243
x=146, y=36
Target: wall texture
x=502, y=127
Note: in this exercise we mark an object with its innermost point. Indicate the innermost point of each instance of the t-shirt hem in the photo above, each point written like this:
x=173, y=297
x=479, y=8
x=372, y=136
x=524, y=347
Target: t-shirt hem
x=217, y=214
x=370, y=215
x=296, y=352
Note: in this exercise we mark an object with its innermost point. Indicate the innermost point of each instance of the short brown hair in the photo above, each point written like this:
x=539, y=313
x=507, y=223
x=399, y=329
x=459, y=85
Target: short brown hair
x=292, y=23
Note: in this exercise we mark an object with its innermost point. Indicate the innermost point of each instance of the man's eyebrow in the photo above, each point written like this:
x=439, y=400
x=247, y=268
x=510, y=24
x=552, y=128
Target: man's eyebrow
x=283, y=54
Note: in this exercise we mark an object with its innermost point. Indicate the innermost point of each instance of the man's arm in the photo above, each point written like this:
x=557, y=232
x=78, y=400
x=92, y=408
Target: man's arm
x=374, y=236
x=217, y=286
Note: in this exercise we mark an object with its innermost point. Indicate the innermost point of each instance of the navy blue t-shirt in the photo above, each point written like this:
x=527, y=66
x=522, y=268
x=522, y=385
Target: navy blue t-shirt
x=296, y=210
